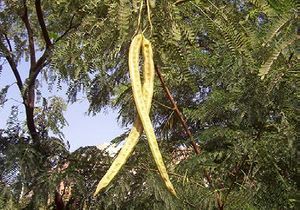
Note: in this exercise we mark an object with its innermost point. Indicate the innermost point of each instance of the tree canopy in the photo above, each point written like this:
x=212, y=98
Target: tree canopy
x=228, y=129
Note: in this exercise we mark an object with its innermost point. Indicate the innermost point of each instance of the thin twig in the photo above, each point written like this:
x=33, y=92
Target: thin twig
x=144, y=167
x=195, y=146
x=139, y=18
x=177, y=111
x=235, y=176
x=71, y=26
x=12, y=99
x=149, y=16
x=161, y=104
x=180, y=2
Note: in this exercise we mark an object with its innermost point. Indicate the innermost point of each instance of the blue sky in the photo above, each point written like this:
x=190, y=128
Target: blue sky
x=83, y=130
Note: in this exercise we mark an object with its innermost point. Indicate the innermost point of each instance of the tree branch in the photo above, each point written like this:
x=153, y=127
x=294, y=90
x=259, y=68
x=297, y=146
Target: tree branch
x=14, y=68
x=31, y=47
x=235, y=175
x=12, y=65
x=59, y=203
x=29, y=92
x=8, y=42
x=195, y=146
x=37, y=68
x=40, y=16
x=177, y=111
x=180, y=2
x=41, y=62
x=71, y=26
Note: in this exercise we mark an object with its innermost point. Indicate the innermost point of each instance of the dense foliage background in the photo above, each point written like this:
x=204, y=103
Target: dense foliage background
x=232, y=68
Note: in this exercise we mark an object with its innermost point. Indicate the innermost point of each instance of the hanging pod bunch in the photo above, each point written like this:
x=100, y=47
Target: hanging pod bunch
x=142, y=94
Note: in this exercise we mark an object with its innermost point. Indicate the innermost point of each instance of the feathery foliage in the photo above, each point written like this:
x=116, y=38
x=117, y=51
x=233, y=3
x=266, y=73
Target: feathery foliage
x=231, y=67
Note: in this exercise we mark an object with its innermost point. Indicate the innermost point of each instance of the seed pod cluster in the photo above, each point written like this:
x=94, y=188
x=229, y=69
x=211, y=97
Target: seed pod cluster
x=142, y=93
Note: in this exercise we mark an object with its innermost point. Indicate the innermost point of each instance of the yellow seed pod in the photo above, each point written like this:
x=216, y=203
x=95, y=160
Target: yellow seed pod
x=135, y=132
x=145, y=119
x=142, y=94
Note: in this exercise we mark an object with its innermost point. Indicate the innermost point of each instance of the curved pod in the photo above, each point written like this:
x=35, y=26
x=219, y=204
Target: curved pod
x=136, y=131
x=144, y=116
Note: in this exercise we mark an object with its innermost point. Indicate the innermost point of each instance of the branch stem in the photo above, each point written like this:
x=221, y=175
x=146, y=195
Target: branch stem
x=188, y=132
x=177, y=111
x=31, y=47
x=41, y=20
